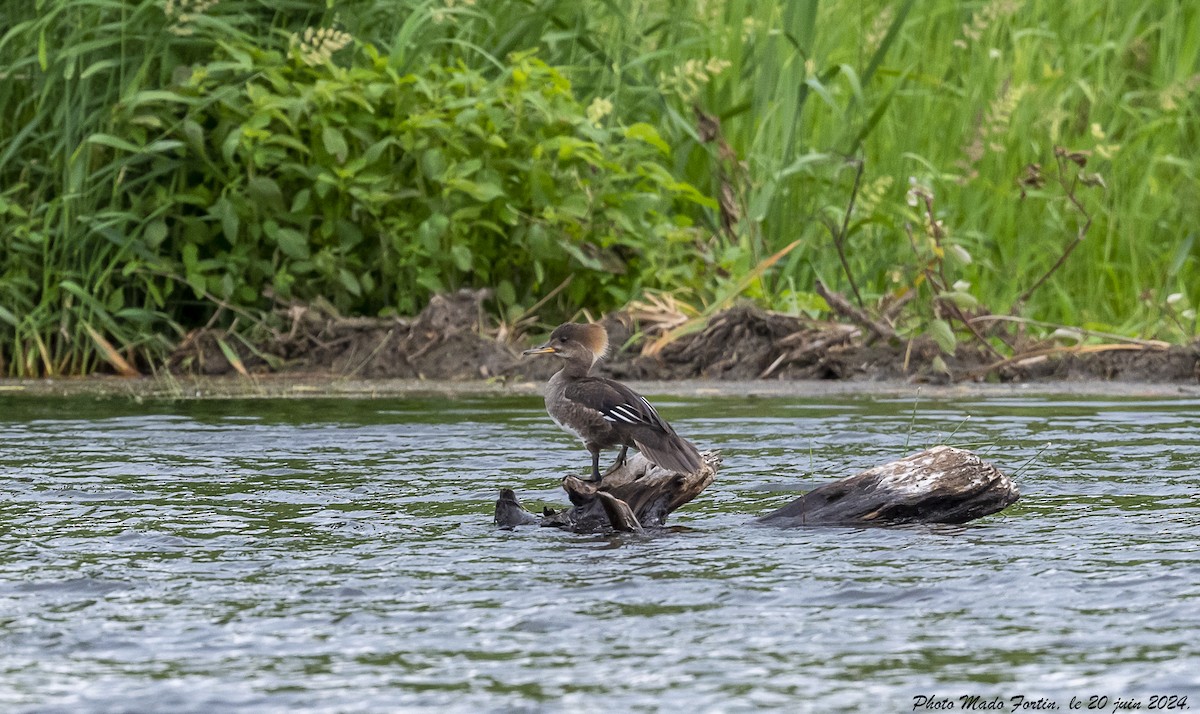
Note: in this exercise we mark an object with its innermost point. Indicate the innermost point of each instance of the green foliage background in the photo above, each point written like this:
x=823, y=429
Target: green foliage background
x=167, y=164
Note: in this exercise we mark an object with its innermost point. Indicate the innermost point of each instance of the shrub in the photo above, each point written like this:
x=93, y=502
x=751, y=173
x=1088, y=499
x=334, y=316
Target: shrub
x=374, y=189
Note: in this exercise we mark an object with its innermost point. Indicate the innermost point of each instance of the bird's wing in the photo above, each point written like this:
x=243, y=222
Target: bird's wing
x=617, y=403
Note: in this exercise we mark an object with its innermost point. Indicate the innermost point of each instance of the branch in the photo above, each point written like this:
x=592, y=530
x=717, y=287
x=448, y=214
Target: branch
x=839, y=236
x=1062, y=156
x=842, y=306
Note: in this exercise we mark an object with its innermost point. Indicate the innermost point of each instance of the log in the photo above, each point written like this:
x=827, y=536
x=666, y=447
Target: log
x=939, y=485
x=631, y=498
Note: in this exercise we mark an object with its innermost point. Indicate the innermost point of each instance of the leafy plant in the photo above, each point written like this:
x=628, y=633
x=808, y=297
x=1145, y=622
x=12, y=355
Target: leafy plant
x=375, y=188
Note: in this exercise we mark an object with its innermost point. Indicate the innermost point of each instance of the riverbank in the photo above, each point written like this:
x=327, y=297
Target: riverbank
x=317, y=386
x=452, y=341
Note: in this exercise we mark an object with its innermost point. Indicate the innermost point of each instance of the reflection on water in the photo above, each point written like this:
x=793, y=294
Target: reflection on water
x=339, y=556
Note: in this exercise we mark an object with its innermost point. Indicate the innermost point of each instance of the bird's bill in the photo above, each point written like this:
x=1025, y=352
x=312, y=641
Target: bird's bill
x=543, y=350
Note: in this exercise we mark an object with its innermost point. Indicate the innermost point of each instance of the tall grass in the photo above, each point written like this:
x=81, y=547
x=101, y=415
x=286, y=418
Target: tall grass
x=958, y=97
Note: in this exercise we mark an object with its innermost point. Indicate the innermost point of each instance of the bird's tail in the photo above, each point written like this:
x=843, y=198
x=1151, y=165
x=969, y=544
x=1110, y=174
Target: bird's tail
x=671, y=452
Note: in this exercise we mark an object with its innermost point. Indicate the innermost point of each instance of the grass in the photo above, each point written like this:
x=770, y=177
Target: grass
x=959, y=98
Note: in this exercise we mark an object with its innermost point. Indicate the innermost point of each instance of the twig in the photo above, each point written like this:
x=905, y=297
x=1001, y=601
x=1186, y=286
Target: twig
x=1062, y=156
x=846, y=333
x=545, y=298
x=839, y=236
x=370, y=356
x=1083, y=332
x=893, y=310
x=221, y=303
x=958, y=314
x=937, y=283
x=843, y=307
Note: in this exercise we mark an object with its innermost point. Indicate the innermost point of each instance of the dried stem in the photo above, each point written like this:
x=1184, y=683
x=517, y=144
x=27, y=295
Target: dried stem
x=1062, y=157
x=842, y=306
x=839, y=234
x=937, y=282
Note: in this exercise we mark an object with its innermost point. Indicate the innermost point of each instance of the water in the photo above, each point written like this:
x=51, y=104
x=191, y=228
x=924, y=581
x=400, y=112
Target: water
x=339, y=556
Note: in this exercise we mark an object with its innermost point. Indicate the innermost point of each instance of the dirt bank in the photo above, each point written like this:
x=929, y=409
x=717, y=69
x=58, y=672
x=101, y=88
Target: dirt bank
x=452, y=340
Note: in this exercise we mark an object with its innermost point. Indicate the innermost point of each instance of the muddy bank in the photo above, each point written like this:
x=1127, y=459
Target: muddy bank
x=453, y=340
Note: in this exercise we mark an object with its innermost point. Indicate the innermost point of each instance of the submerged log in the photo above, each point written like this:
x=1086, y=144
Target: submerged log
x=631, y=497
x=939, y=485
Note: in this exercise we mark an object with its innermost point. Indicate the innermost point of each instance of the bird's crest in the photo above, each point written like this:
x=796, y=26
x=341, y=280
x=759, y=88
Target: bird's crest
x=591, y=335
x=595, y=338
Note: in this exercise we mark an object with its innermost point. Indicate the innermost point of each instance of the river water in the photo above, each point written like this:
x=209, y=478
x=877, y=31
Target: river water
x=339, y=556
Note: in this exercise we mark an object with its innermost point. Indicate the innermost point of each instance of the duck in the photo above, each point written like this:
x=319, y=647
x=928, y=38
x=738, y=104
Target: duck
x=602, y=412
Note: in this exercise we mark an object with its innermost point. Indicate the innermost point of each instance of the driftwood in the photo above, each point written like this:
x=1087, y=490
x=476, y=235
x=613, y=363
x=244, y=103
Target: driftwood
x=939, y=485
x=632, y=497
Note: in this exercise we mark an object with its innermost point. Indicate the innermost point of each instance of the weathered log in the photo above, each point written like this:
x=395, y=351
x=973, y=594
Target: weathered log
x=632, y=497
x=939, y=485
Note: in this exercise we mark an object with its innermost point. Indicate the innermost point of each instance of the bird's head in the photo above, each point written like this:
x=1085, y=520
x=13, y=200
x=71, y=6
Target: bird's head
x=575, y=341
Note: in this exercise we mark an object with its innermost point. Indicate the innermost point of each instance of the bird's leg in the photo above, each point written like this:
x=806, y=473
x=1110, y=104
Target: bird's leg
x=621, y=456
x=596, y=465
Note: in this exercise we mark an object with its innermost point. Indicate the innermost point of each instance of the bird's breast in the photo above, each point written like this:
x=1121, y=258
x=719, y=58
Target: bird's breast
x=584, y=423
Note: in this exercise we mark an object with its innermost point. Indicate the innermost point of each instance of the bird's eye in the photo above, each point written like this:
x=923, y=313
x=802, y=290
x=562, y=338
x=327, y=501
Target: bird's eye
x=562, y=339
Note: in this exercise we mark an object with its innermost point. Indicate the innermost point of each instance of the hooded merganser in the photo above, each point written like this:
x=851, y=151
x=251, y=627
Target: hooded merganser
x=604, y=413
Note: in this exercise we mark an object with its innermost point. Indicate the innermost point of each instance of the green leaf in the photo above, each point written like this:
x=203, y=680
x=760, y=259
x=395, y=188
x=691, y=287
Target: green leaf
x=584, y=259
x=886, y=42
x=194, y=133
x=293, y=243
x=335, y=143
x=941, y=333
x=959, y=298
x=232, y=357
x=155, y=233
x=431, y=282
x=224, y=210
x=760, y=201
x=959, y=254
x=644, y=132
x=430, y=231
x=198, y=284
x=300, y=200
x=802, y=163
x=114, y=142
x=348, y=281
x=433, y=164
x=374, y=151
x=462, y=257
x=190, y=256
x=575, y=205
x=43, y=59
x=349, y=233
x=230, y=145
x=265, y=192
x=505, y=293
x=482, y=191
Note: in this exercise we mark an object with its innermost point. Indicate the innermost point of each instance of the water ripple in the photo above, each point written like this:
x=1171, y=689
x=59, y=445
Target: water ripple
x=338, y=556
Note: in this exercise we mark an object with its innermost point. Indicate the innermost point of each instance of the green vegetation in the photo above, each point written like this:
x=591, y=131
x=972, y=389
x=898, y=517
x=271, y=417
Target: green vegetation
x=171, y=164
